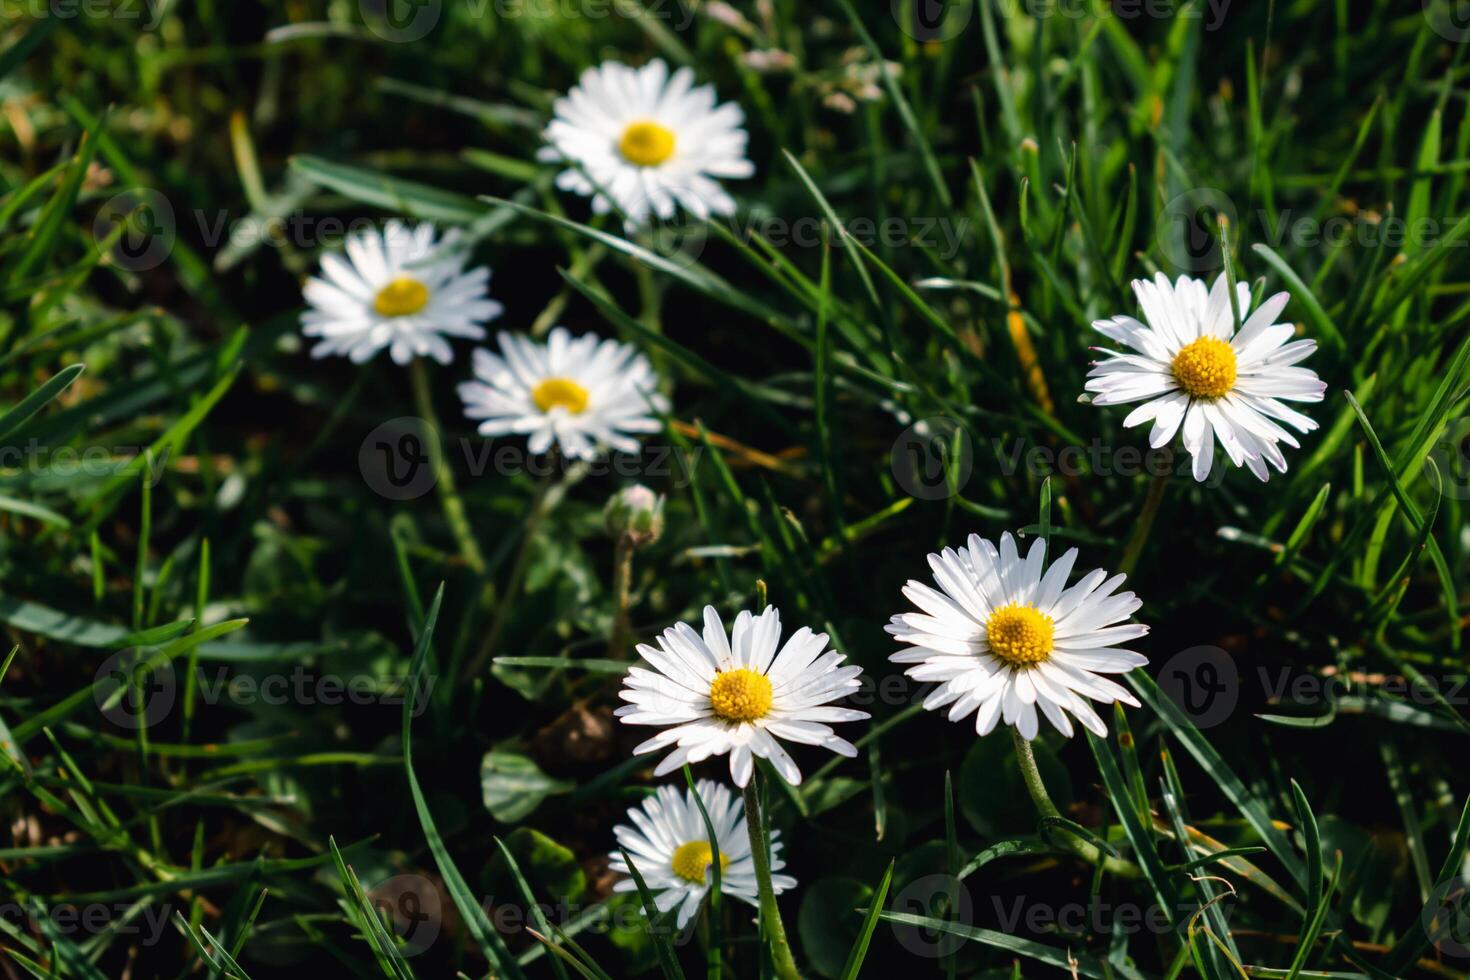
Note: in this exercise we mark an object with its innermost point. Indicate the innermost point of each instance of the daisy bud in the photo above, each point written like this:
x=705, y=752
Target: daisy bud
x=723, y=13
x=637, y=513
x=840, y=101
x=768, y=61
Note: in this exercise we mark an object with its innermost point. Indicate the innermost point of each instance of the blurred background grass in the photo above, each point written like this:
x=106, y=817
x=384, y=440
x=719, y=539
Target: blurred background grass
x=1034, y=158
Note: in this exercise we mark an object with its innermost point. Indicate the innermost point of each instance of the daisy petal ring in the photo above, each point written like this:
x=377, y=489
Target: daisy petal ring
x=1197, y=375
x=398, y=289
x=1005, y=639
x=583, y=395
x=667, y=839
x=647, y=141
x=737, y=695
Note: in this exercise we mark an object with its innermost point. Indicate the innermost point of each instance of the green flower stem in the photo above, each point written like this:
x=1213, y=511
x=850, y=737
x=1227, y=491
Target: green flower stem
x=449, y=498
x=1026, y=760
x=760, y=852
x=537, y=511
x=1145, y=523
x=617, y=642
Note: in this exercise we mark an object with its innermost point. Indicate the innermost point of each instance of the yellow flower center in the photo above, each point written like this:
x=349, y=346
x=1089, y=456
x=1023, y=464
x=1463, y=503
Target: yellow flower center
x=1205, y=368
x=401, y=297
x=560, y=392
x=740, y=695
x=1019, y=635
x=646, y=144
x=693, y=859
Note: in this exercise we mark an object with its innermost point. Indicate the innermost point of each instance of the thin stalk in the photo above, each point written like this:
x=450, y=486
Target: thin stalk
x=532, y=524
x=622, y=585
x=449, y=498
x=1134, y=548
x=760, y=852
x=1026, y=761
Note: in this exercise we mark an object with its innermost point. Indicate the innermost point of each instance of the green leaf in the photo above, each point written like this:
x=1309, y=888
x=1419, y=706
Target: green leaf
x=548, y=868
x=870, y=921
x=365, y=917
x=1301, y=292
x=828, y=922
x=12, y=421
x=1062, y=959
x=512, y=786
x=392, y=194
x=668, y=963
x=1250, y=807
x=543, y=854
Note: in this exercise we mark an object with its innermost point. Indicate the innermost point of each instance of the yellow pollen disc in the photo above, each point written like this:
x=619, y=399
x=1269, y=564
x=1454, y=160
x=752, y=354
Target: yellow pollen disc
x=740, y=695
x=1205, y=368
x=401, y=297
x=563, y=392
x=1019, y=635
x=693, y=859
x=646, y=144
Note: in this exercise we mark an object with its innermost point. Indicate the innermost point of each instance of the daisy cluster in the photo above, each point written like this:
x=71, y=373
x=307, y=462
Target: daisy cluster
x=1005, y=638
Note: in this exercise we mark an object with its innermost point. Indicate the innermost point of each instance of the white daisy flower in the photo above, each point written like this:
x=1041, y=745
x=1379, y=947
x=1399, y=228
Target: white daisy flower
x=398, y=289
x=669, y=845
x=648, y=140
x=716, y=696
x=582, y=394
x=1003, y=639
x=1200, y=376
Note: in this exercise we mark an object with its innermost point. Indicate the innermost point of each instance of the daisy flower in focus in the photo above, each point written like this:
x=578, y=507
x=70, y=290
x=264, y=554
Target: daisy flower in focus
x=582, y=394
x=400, y=289
x=1003, y=637
x=649, y=140
x=669, y=845
x=740, y=696
x=1196, y=375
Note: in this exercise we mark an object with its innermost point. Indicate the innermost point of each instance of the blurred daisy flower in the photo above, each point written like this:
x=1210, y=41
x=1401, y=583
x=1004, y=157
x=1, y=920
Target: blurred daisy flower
x=740, y=696
x=1197, y=375
x=669, y=845
x=650, y=141
x=1003, y=637
x=400, y=289
x=583, y=395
